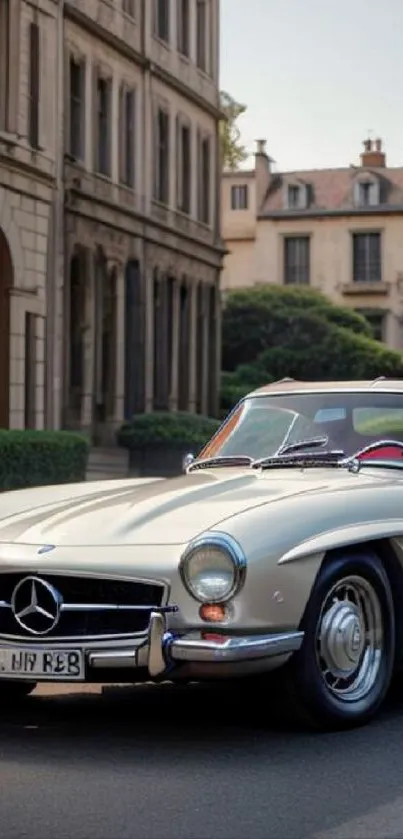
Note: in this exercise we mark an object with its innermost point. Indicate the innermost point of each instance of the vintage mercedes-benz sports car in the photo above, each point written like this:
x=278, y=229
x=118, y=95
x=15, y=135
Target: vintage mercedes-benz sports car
x=281, y=547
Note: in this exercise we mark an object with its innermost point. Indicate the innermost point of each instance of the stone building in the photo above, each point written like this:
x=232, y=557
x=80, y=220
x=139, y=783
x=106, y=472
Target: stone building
x=110, y=251
x=142, y=246
x=338, y=230
x=30, y=47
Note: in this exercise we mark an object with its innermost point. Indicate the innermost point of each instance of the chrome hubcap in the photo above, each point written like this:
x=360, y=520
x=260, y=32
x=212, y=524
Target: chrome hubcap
x=350, y=638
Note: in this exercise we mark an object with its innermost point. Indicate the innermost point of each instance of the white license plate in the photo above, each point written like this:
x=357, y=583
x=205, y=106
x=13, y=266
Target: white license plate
x=37, y=663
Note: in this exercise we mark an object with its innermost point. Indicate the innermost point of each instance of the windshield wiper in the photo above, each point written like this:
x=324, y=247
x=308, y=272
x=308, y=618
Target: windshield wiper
x=312, y=443
x=330, y=457
x=229, y=460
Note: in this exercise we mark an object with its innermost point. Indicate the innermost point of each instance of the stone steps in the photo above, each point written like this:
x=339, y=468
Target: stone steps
x=107, y=463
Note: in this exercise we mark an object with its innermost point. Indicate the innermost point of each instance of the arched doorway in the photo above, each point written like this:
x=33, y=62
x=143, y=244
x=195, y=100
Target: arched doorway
x=6, y=282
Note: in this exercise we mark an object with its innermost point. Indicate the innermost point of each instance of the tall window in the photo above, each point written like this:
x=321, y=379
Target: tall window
x=367, y=267
x=184, y=168
x=30, y=371
x=34, y=64
x=239, y=197
x=296, y=260
x=201, y=34
x=4, y=63
x=77, y=109
x=161, y=27
x=204, y=180
x=161, y=190
x=126, y=135
x=183, y=16
x=103, y=119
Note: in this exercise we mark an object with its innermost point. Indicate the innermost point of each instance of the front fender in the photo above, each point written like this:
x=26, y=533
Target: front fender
x=351, y=534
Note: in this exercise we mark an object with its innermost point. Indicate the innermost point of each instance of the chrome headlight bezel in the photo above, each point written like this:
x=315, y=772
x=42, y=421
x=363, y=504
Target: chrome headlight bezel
x=228, y=546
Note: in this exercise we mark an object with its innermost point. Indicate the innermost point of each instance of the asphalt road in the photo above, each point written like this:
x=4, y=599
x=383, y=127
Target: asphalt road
x=163, y=763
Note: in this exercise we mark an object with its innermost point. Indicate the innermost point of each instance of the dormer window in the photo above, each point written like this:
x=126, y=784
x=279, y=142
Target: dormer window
x=296, y=196
x=293, y=197
x=239, y=197
x=366, y=192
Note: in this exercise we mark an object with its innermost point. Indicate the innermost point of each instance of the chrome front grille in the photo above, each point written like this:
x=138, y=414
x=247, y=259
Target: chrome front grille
x=88, y=607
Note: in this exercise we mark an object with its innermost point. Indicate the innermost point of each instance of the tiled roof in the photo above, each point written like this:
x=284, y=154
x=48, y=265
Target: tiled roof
x=332, y=190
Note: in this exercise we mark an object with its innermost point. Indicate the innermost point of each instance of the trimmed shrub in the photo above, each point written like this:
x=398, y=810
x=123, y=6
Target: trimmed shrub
x=167, y=429
x=157, y=442
x=39, y=458
x=255, y=319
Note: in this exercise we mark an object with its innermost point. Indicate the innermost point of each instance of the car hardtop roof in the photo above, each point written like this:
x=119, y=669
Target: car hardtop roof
x=294, y=386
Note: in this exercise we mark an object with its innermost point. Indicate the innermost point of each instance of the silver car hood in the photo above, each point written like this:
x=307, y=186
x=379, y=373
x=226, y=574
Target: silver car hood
x=161, y=512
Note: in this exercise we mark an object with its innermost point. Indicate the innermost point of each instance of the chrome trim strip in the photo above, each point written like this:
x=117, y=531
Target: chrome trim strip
x=55, y=641
x=94, y=607
x=236, y=648
x=114, y=659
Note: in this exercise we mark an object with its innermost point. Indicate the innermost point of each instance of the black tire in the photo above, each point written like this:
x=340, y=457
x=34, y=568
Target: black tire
x=15, y=691
x=309, y=697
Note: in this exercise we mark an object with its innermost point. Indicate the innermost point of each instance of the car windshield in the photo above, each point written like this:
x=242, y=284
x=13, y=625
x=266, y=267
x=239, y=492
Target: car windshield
x=260, y=426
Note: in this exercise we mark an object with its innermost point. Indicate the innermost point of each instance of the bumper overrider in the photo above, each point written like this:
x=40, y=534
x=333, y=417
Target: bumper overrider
x=164, y=651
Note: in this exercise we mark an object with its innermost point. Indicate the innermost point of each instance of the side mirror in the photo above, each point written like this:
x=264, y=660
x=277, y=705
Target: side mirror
x=187, y=461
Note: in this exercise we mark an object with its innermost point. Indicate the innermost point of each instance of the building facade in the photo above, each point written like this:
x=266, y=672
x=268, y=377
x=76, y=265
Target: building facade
x=142, y=246
x=110, y=250
x=338, y=230
x=29, y=41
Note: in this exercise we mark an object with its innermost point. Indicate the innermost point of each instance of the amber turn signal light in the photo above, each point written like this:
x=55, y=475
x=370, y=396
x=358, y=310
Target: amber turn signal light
x=213, y=613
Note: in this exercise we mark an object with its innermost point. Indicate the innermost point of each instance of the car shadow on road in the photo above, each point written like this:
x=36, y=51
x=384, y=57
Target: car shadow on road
x=187, y=716
x=163, y=714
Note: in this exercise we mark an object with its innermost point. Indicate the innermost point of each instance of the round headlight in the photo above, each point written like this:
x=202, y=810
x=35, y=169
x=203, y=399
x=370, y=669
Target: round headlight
x=212, y=570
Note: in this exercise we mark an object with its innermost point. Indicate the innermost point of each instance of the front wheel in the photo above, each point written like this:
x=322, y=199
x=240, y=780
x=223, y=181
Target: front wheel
x=15, y=691
x=343, y=670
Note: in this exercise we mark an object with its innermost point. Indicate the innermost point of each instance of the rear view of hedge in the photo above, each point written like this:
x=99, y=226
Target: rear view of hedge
x=38, y=458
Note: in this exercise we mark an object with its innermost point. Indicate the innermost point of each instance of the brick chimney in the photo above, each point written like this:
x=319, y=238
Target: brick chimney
x=262, y=172
x=373, y=156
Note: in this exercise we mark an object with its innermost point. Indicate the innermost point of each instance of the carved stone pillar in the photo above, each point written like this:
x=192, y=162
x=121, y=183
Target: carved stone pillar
x=149, y=339
x=70, y=252
x=193, y=384
x=89, y=378
x=120, y=344
x=205, y=350
x=175, y=359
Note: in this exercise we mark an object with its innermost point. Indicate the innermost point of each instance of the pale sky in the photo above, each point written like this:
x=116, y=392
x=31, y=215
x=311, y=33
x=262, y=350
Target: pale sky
x=317, y=76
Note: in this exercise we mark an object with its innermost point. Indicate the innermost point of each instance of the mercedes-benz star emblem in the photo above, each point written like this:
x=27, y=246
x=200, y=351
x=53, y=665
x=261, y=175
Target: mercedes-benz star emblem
x=36, y=605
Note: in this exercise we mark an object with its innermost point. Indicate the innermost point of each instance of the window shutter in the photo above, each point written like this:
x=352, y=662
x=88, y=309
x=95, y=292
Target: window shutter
x=35, y=86
x=14, y=36
x=179, y=167
x=47, y=91
x=357, y=196
x=155, y=143
x=67, y=101
x=95, y=106
x=122, y=133
x=199, y=176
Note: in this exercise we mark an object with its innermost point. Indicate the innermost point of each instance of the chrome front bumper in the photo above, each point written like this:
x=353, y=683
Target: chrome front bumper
x=165, y=650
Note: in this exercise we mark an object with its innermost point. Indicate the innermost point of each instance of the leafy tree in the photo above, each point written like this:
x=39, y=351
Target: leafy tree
x=233, y=153
x=271, y=333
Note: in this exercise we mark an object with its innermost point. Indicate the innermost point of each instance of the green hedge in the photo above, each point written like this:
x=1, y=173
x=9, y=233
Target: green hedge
x=161, y=428
x=39, y=458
